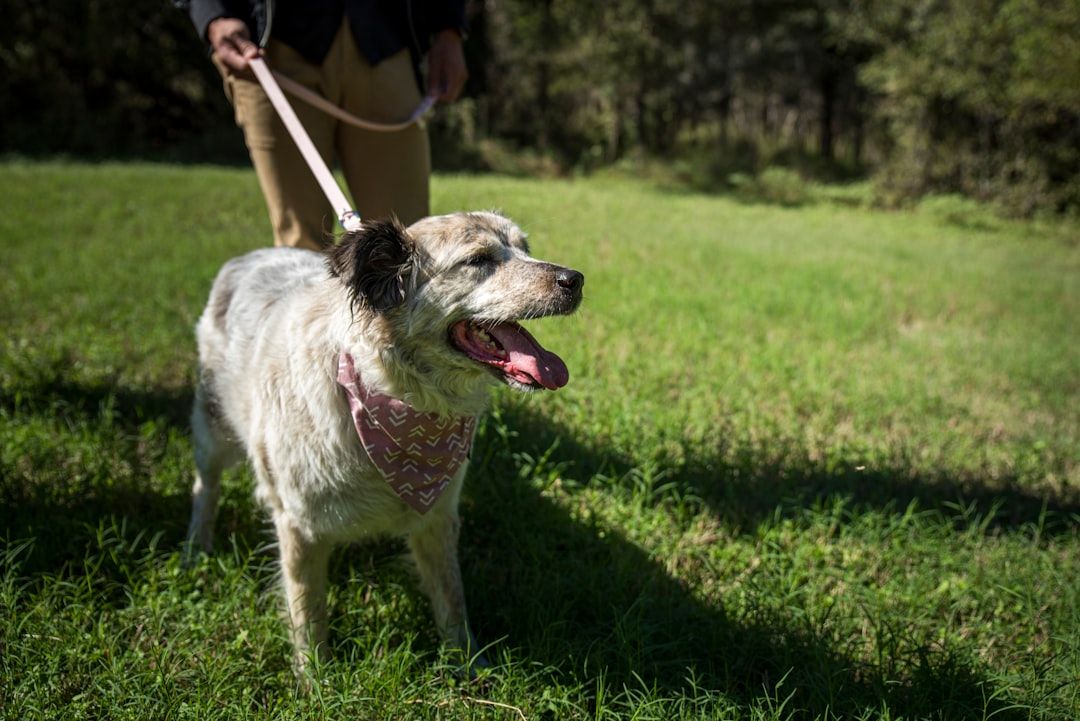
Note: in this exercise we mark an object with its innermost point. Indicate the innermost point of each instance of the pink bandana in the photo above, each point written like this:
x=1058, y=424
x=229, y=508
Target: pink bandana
x=418, y=453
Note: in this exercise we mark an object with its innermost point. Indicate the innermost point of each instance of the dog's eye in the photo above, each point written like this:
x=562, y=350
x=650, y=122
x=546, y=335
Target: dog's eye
x=480, y=261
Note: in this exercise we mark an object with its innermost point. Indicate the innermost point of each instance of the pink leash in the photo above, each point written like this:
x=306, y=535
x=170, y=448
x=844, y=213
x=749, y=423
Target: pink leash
x=273, y=82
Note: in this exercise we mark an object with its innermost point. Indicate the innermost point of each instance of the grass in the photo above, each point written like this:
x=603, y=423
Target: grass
x=813, y=462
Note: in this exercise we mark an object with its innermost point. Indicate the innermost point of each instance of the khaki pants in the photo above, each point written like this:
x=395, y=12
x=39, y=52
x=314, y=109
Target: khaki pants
x=387, y=173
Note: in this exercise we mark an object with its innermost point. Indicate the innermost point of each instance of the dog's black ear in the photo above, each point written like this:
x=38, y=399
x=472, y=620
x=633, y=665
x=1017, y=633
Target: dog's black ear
x=374, y=263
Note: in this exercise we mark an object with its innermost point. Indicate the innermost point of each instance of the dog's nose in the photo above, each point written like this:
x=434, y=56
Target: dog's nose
x=569, y=279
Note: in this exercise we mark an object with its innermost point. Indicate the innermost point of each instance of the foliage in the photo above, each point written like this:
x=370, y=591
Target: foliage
x=773, y=185
x=814, y=462
x=977, y=97
x=101, y=77
x=662, y=70
x=972, y=97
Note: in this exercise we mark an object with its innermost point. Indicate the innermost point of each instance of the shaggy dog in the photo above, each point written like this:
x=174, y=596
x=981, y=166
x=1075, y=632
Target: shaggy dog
x=351, y=382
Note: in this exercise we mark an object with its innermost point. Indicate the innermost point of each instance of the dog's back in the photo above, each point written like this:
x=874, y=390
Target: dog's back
x=247, y=295
x=251, y=296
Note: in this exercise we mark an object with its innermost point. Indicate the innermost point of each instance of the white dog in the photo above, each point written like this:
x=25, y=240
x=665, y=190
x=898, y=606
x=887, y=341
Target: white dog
x=352, y=380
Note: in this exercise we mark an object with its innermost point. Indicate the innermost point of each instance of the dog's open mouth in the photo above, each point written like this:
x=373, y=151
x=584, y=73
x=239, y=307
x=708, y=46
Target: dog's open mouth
x=510, y=350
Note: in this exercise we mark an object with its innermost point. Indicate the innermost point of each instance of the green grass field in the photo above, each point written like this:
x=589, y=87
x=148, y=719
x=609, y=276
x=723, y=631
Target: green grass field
x=813, y=462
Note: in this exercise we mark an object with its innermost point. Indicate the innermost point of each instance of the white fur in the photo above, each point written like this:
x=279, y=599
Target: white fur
x=269, y=342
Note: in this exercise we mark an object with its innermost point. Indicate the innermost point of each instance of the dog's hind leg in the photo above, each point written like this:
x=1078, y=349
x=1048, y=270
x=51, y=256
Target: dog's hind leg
x=214, y=452
x=434, y=549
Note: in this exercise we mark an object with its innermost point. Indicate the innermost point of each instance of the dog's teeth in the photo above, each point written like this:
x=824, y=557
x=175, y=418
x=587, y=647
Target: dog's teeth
x=485, y=341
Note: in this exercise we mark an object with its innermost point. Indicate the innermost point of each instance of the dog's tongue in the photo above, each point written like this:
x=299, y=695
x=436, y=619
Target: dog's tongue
x=529, y=357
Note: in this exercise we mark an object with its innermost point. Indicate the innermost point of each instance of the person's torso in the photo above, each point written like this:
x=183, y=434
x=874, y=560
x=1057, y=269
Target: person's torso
x=379, y=28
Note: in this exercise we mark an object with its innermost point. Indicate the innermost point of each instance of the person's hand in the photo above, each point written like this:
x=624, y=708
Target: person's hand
x=446, y=67
x=231, y=42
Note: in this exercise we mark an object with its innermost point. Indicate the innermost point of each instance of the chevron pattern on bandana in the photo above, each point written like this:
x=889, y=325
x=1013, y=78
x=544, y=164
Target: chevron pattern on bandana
x=417, y=453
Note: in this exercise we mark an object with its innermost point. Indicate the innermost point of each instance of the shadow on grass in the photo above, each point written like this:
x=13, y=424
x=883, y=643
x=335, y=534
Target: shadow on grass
x=91, y=461
x=583, y=603
x=595, y=606
x=749, y=490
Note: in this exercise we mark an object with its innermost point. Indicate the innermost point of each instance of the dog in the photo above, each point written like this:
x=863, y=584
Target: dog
x=351, y=381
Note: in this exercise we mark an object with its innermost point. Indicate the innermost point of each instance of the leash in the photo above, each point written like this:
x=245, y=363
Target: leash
x=273, y=82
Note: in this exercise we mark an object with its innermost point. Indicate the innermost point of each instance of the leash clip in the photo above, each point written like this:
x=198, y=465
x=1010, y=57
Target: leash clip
x=350, y=220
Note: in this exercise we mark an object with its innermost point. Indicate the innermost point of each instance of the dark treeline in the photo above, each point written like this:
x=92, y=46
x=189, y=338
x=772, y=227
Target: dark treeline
x=980, y=97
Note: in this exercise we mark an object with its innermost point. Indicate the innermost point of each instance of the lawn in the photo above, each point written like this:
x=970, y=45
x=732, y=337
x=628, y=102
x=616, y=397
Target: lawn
x=819, y=461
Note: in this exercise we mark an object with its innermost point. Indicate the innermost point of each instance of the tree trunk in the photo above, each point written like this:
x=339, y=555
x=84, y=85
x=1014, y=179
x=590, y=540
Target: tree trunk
x=828, y=106
x=543, y=77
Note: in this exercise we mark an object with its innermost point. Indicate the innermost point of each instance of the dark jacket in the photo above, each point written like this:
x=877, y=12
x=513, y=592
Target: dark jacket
x=381, y=28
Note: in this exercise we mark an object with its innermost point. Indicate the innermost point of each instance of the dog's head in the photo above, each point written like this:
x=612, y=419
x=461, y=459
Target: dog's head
x=451, y=291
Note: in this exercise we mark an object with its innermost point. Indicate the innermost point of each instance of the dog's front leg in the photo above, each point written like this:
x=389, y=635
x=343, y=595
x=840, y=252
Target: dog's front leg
x=303, y=573
x=434, y=549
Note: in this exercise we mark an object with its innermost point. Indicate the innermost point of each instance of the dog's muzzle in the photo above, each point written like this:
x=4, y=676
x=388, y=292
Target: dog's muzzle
x=510, y=351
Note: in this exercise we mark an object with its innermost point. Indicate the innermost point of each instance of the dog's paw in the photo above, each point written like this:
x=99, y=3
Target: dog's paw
x=475, y=668
x=307, y=668
x=472, y=669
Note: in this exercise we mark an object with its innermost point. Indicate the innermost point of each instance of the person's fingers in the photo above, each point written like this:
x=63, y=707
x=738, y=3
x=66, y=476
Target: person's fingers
x=233, y=59
x=247, y=48
x=446, y=66
x=231, y=42
x=235, y=51
x=447, y=81
x=435, y=88
x=455, y=83
x=435, y=82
